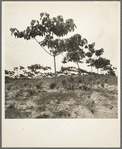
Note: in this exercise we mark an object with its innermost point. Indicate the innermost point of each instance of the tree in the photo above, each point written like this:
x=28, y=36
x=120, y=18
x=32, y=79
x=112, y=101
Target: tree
x=105, y=64
x=89, y=54
x=49, y=29
x=16, y=70
x=98, y=60
x=110, y=69
x=102, y=63
x=98, y=53
x=75, y=50
x=21, y=68
x=36, y=67
x=6, y=72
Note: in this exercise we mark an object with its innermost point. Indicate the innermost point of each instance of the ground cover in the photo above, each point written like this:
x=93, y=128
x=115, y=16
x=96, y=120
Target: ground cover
x=93, y=96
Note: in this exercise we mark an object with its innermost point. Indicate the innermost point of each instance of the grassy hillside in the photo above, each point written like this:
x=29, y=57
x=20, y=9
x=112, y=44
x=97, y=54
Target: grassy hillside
x=90, y=96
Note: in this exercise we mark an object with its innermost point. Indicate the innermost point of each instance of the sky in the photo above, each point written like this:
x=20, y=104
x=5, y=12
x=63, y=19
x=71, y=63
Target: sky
x=98, y=22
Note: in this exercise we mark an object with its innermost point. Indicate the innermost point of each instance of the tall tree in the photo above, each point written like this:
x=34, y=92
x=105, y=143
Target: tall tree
x=50, y=29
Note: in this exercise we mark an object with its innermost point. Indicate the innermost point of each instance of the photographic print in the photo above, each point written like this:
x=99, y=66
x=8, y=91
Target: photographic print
x=62, y=61
x=60, y=74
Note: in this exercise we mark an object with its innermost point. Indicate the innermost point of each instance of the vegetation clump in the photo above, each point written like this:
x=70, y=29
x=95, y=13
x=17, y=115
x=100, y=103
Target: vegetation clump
x=39, y=85
x=52, y=85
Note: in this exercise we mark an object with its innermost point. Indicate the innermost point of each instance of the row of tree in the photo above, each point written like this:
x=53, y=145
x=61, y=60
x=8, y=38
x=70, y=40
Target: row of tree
x=76, y=48
x=29, y=72
x=35, y=71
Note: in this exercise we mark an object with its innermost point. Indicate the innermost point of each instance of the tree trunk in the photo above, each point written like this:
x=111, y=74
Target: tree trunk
x=97, y=70
x=101, y=70
x=91, y=68
x=79, y=70
x=55, y=70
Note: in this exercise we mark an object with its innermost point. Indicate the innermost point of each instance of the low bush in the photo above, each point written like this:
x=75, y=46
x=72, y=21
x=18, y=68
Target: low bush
x=71, y=79
x=7, y=79
x=31, y=92
x=80, y=81
x=91, y=107
x=84, y=87
x=98, y=82
x=39, y=85
x=52, y=85
x=102, y=85
x=64, y=82
x=8, y=88
x=62, y=114
x=25, y=84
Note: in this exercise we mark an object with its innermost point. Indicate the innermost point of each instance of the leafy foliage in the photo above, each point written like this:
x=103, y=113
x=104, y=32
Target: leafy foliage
x=74, y=48
x=48, y=28
x=101, y=63
x=52, y=85
x=34, y=67
x=111, y=71
x=99, y=52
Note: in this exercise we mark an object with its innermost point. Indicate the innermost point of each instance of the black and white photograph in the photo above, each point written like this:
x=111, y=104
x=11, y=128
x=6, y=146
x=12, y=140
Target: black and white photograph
x=61, y=60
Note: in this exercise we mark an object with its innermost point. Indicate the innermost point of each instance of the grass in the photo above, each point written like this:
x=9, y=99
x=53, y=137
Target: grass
x=91, y=107
x=62, y=114
x=13, y=113
x=51, y=100
x=39, y=86
x=60, y=96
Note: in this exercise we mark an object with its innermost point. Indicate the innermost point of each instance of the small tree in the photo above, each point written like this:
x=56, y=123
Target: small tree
x=98, y=53
x=102, y=63
x=75, y=50
x=6, y=72
x=36, y=67
x=49, y=29
x=90, y=54
x=97, y=61
x=105, y=64
x=16, y=70
x=111, y=70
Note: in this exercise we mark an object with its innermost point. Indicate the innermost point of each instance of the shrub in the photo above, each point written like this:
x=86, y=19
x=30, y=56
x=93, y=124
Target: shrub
x=31, y=92
x=84, y=87
x=62, y=114
x=39, y=86
x=25, y=84
x=102, y=85
x=98, y=82
x=71, y=79
x=64, y=82
x=80, y=81
x=8, y=88
x=7, y=79
x=43, y=116
x=52, y=85
x=91, y=107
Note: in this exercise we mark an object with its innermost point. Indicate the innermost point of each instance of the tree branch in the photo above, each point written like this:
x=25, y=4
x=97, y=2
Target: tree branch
x=43, y=47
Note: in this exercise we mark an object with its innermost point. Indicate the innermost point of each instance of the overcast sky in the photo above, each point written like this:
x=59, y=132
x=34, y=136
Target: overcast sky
x=98, y=22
